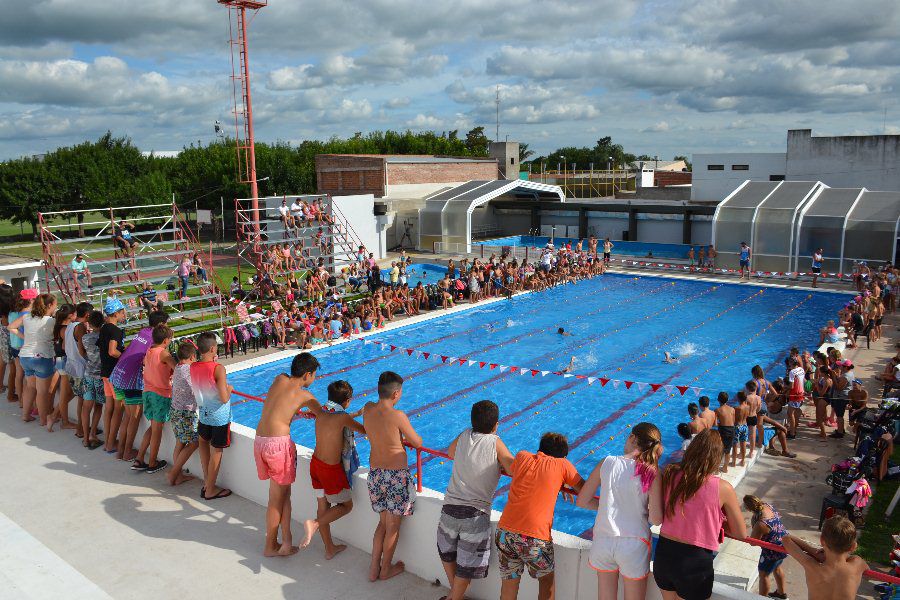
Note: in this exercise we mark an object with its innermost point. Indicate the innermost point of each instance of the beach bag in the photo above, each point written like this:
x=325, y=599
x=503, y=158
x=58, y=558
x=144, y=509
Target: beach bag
x=267, y=327
x=254, y=330
x=243, y=333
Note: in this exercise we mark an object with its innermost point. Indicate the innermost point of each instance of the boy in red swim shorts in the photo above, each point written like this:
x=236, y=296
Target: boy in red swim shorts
x=333, y=464
x=275, y=452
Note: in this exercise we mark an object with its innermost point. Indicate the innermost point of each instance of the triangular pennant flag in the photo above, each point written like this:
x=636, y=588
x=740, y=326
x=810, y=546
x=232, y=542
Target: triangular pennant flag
x=581, y=377
x=503, y=368
x=628, y=384
x=681, y=388
x=426, y=355
x=696, y=391
x=366, y=342
x=641, y=386
x=655, y=386
x=481, y=365
x=668, y=388
x=452, y=359
x=591, y=380
x=534, y=372
x=513, y=369
x=393, y=347
x=604, y=380
x=616, y=383
x=462, y=361
x=409, y=351
x=471, y=362
x=523, y=371
x=567, y=375
x=493, y=366
x=444, y=358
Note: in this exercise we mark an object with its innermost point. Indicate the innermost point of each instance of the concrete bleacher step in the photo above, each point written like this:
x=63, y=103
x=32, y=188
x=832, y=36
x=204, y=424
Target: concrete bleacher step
x=87, y=251
x=135, y=234
x=179, y=315
x=173, y=302
x=137, y=257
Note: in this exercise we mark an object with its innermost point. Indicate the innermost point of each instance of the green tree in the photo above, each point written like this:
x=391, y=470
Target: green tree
x=524, y=153
x=476, y=142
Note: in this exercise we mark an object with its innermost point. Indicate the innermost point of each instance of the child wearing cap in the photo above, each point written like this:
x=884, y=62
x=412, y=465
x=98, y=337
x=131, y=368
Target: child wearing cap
x=111, y=343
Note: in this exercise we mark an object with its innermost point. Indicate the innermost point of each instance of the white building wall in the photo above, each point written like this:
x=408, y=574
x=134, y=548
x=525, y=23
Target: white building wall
x=716, y=184
x=360, y=212
x=22, y=275
x=870, y=161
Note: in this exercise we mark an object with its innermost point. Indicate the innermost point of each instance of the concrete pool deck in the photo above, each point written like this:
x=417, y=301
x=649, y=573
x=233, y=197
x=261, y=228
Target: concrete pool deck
x=125, y=514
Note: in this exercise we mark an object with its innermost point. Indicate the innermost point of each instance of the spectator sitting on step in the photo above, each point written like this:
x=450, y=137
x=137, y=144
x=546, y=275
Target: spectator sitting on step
x=148, y=297
x=123, y=238
x=198, y=269
x=80, y=270
x=236, y=291
x=285, y=217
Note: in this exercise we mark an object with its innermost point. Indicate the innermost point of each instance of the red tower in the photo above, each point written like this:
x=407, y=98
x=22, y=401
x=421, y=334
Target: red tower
x=243, y=106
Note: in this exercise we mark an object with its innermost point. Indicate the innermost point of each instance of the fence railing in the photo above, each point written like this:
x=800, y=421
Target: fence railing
x=870, y=574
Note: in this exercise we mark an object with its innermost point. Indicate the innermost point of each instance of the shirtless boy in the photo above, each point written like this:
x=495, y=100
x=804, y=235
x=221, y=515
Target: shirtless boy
x=708, y=416
x=391, y=485
x=275, y=452
x=725, y=415
x=696, y=424
x=334, y=456
x=832, y=573
x=741, y=433
x=754, y=405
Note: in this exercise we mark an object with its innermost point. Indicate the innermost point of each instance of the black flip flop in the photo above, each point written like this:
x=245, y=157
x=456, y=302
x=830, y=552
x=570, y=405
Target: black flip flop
x=139, y=466
x=223, y=493
x=94, y=445
x=160, y=465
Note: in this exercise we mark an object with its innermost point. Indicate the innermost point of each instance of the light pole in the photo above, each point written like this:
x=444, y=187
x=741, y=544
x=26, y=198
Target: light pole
x=564, y=173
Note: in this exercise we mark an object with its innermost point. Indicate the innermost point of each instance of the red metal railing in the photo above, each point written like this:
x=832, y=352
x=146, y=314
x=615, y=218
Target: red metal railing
x=869, y=574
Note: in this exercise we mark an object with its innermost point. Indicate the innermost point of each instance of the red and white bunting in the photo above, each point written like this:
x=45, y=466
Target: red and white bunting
x=642, y=386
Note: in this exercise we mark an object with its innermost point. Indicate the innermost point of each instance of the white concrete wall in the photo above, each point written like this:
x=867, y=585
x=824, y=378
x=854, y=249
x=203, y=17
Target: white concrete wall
x=31, y=272
x=360, y=212
x=869, y=161
x=416, y=190
x=716, y=185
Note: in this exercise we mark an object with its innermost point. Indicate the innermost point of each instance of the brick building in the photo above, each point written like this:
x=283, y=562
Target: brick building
x=381, y=175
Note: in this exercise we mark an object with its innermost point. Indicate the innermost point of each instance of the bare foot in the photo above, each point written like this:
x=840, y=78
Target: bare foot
x=281, y=551
x=67, y=425
x=311, y=526
x=337, y=549
x=180, y=478
x=130, y=456
x=50, y=423
x=742, y=462
x=374, y=569
x=394, y=570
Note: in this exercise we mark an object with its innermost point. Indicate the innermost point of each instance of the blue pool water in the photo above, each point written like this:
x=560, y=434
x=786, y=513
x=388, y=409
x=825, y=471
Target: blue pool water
x=620, y=247
x=621, y=326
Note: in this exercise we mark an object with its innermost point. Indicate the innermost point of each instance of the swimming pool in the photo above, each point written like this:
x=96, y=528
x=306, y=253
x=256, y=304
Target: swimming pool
x=619, y=247
x=620, y=325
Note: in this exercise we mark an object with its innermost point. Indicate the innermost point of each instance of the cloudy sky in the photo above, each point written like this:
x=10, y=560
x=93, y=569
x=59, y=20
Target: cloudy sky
x=660, y=76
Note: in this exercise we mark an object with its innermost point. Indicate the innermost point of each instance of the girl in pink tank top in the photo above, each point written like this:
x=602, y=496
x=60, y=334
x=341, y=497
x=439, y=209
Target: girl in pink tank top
x=692, y=504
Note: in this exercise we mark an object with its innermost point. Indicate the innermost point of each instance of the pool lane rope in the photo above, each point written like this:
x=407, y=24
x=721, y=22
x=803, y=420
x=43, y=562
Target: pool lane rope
x=726, y=356
x=669, y=342
x=713, y=271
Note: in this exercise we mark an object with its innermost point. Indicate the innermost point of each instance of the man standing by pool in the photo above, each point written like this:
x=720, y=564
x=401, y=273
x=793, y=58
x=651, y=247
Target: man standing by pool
x=746, y=254
x=817, y=260
x=607, y=251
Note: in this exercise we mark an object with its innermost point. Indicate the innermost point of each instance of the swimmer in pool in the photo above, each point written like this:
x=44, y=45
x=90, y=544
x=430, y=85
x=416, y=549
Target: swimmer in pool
x=670, y=359
x=562, y=331
x=571, y=366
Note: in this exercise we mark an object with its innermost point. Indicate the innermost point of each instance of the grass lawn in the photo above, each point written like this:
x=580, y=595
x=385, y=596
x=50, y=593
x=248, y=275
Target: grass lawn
x=875, y=543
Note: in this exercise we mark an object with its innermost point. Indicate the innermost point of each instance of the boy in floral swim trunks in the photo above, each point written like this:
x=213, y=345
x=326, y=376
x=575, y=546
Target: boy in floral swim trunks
x=523, y=533
x=275, y=451
x=390, y=482
x=184, y=415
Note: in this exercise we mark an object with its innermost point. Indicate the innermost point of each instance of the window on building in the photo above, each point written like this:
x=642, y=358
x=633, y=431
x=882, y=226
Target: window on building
x=776, y=177
x=740, y=167
x=715, y=167
x=512, y=161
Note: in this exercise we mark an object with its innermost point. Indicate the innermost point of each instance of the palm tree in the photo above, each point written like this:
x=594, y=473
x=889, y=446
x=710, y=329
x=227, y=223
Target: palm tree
x=524, y=153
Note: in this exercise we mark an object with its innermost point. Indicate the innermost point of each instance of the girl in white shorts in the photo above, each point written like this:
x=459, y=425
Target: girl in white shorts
x=622, y=529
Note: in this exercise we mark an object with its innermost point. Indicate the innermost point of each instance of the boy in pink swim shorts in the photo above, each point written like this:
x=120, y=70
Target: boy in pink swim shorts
x=275, y=452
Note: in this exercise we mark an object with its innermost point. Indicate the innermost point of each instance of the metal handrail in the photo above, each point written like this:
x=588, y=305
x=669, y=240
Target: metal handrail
x=870, y=574
x=87, y=210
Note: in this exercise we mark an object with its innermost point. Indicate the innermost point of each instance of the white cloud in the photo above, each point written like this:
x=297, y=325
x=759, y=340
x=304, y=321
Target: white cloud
x=421, y=121
x=658, y=127
x=398, y=102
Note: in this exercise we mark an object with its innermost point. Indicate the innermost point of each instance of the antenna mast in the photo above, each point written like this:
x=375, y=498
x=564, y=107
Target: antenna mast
x=497, y=133
x=243, y=105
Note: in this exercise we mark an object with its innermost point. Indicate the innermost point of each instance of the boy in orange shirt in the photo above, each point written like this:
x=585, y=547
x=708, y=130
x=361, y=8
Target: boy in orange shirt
x=523, y=533
x=157, y=397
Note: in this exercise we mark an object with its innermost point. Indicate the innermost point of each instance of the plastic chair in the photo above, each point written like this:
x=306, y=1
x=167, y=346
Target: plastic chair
x=834, y=502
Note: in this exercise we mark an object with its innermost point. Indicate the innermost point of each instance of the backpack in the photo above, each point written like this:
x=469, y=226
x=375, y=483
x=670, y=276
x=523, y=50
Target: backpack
x=254, y=330
x=243, y=333
x=267, y=327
